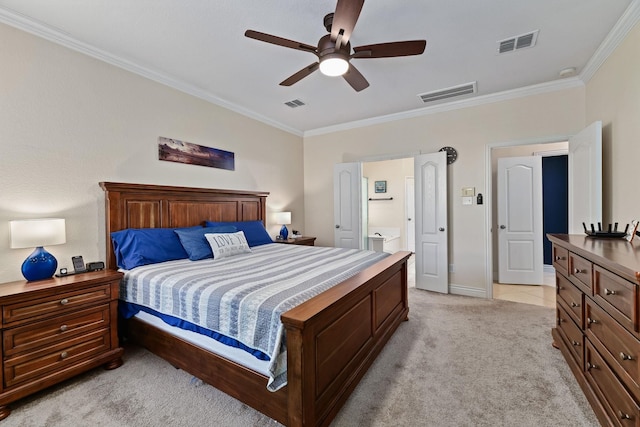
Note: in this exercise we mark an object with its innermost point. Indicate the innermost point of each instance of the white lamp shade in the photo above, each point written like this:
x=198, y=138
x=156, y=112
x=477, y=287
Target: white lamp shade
x=283, y=217
x=29, y=233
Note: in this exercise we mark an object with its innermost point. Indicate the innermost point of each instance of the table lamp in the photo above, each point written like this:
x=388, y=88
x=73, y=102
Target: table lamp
x=283, y=218
x=28, y=233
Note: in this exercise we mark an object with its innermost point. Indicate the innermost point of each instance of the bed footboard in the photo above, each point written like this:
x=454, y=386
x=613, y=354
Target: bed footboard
x=333, y=338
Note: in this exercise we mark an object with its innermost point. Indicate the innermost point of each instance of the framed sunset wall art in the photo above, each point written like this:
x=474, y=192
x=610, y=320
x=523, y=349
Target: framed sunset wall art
x=174, y=150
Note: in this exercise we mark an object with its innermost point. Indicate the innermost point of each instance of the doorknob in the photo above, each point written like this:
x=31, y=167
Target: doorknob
x=502, y=227
x=408, y=219
x=441, y=229
x=337, y=226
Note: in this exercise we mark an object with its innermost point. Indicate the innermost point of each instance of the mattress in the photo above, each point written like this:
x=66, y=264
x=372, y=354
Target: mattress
x=239, y=300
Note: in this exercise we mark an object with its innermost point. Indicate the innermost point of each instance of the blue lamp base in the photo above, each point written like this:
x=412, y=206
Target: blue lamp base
x=284, y=233
x=39, y=265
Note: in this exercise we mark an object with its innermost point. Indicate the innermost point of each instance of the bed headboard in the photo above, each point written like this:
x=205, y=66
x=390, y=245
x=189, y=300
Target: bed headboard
x=154, y=206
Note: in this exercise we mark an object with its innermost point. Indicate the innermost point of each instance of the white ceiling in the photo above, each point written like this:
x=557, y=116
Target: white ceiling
x=198, y=46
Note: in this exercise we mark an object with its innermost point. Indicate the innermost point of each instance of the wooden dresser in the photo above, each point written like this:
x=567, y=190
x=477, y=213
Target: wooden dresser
x=304, y=240
x=56, y=328
x=598, y=325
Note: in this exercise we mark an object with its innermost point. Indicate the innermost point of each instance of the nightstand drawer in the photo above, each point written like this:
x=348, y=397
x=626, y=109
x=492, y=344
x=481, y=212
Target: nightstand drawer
x=28, y=366
x=43, y=333
x=35, y=309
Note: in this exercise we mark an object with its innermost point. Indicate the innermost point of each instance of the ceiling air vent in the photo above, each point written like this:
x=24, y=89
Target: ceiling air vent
x=295, y=103
x=438, y=95
x=518, y=42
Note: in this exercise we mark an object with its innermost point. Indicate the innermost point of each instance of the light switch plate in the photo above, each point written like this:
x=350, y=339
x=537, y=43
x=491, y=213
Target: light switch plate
x=468, y=191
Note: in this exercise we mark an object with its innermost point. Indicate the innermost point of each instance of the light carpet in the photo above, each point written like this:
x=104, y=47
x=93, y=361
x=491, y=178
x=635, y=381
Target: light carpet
x=458, y=361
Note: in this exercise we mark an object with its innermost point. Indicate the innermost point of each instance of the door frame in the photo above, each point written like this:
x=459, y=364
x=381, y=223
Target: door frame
x=489, y=198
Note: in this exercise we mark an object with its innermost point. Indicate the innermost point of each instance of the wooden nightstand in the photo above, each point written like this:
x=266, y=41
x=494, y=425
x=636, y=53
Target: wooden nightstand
x=304, y=240
x=55, y=329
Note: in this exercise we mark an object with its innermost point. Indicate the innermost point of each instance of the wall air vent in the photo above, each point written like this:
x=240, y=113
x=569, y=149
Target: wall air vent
x=451, y=92
x=294, y=104
x=518, y=42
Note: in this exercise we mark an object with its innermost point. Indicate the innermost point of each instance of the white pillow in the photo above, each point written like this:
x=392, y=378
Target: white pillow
x=227, y=244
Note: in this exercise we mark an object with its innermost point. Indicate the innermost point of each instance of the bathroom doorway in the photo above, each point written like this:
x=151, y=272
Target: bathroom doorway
x=387, y=211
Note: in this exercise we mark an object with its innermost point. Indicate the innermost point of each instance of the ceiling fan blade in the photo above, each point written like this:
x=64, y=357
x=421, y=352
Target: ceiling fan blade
x=268, y=38
x=389, y=50
x=355, y=79
x=300, y=74
x=344, y=20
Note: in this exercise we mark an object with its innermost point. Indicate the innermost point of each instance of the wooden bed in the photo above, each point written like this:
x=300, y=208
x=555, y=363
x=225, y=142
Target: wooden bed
x=332, y=339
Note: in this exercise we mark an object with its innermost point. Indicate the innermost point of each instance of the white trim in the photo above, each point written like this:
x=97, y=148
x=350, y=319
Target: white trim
x=46, y=32
x=489, y=273
x=551, y=153
x=455, y=105
x=467, y=291
x=627, y=21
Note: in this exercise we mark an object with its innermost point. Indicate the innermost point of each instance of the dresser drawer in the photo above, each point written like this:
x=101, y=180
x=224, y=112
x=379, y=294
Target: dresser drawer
x=34, y=309
x=571, y=334
x=618, y=295
x=580, y=272
x=36, y=364
x=619, y=405
x=46, y=332
x=560, y=259
x=571, y=297
x=619, y=347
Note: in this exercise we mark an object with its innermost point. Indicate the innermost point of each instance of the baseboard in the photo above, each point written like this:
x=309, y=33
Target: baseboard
x=467, y=291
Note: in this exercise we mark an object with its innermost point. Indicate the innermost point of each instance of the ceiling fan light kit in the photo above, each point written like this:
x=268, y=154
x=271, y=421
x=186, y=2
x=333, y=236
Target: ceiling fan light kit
x=334, y=50
x=333, y=65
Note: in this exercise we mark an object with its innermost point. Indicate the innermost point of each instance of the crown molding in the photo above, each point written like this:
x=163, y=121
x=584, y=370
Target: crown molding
x=627, y=21
x=522, y=92
x=57, y=36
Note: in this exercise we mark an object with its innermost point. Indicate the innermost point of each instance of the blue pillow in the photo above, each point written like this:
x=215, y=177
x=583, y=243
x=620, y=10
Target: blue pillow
x=196, y=245
x=134, y=247
x=254, y=231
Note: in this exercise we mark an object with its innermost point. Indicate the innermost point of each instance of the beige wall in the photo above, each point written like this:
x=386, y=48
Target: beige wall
x=469, y=130
x=70, y=121
x=613, y=96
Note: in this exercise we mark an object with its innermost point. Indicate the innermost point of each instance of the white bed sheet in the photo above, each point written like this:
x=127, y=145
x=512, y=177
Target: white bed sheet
x=232, y=353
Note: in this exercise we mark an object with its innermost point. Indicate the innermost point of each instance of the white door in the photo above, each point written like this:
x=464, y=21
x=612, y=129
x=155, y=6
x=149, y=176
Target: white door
x=347, y=206
x=410, y=212
x=585, y=178
x=430, y=174
x=520, y=250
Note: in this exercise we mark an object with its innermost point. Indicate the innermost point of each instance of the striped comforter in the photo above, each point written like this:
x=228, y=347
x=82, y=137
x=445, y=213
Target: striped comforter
x=243, y=296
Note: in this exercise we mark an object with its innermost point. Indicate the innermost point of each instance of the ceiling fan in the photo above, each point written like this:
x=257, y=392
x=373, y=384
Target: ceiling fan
x=334, y=50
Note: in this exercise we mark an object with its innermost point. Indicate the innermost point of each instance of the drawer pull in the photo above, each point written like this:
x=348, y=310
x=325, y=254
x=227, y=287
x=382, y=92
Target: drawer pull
x=64, y=301
x=609, y=292
x=63, y=328
x=625, y=356
x=590, y=320
x=575, y=343
x=591, y=366
x=623, y=416
x=63, y=355
x=560, y=320
x=575, y=304
x=559, y=258
x=578, y=271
